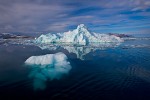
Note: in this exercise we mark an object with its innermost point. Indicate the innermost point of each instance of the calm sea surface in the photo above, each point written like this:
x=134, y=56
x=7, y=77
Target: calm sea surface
x=103, y=72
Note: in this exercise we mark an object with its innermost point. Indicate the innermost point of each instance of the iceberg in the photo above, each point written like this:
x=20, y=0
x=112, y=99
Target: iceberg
x=47, y=67
x=81, y=35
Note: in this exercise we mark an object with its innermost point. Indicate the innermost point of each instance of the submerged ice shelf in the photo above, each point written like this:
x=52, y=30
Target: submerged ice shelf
x=80, y=35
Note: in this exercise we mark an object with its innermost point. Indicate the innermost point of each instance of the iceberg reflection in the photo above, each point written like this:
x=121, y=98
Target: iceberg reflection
x=47, y=67
x=79, y=50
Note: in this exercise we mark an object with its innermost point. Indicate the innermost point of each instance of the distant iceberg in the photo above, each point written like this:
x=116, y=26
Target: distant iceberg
x=47, y=67
x=80, y=35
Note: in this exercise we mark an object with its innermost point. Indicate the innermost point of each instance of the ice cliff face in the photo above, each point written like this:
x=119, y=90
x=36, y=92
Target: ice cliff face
x=80, y=35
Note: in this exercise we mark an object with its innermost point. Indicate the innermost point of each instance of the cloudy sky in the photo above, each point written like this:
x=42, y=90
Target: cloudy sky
x=41, y=16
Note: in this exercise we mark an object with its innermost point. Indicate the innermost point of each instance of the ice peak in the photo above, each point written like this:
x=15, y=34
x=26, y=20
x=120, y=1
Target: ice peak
x=81, y=26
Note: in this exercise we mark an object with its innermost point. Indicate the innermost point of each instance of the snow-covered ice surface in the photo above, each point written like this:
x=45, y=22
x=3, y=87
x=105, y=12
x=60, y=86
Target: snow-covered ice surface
x=136, y=38
x=81, y=35
x=47, y=67
x=17, y=41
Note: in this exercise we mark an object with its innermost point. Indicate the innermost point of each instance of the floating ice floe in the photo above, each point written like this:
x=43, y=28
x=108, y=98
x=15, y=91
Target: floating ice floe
x=47, y=67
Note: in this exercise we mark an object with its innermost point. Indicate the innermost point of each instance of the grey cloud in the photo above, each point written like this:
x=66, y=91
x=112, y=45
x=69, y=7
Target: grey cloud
x=55, y=15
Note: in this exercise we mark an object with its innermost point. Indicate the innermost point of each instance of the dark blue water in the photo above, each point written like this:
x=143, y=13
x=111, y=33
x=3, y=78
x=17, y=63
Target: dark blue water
x=120, y=72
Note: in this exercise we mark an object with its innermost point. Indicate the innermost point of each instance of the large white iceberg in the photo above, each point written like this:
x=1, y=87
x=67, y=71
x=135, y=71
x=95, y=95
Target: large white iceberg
x=80, y=35
x=47, y=67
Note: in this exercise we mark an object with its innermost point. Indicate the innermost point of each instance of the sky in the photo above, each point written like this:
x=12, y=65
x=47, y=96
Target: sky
x=103, y=16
